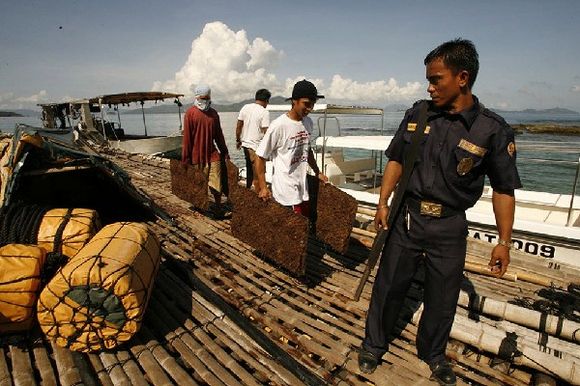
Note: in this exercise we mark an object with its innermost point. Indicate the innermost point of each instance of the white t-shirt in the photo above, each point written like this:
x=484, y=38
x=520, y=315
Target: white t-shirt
x=287, y=143
x=255, y=117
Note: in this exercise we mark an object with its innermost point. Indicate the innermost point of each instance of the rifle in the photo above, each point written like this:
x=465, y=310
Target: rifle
x=408, y=165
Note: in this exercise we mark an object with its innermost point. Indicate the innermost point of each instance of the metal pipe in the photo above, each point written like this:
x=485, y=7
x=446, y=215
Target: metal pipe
x=102, y=118
x=143, y=113
x=573, y=194
x=118, y=115
x=324, y=142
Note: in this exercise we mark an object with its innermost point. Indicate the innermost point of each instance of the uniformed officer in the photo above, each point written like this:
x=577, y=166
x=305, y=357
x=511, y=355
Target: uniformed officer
x=463, y=143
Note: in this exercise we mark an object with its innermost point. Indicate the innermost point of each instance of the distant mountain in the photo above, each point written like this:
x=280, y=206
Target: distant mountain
x=19, y=113
x=552, y=111
x=9, y=114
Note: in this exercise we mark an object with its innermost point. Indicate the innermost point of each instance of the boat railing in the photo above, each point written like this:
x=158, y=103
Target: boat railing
x=569, y=218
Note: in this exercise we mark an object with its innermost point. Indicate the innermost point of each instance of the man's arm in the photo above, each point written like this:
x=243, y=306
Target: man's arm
x=504, y=205
x=263, y=191
x=314, y=166
x=239, y=127
x=391, y=177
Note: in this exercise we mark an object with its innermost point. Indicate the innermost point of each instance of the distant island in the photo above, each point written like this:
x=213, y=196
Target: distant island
x=553, y=111
x=9, y=114
x=545, y=128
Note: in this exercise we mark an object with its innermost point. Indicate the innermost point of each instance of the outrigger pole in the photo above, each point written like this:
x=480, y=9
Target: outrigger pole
x=143, y=112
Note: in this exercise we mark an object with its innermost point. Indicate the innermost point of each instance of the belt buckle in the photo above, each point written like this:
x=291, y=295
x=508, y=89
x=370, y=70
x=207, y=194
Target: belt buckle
x=431, y=209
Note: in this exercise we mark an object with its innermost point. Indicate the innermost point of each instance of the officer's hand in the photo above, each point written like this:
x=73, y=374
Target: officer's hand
x=381, y=217
x=500, y=259
x=264, y=193
x=322, y=177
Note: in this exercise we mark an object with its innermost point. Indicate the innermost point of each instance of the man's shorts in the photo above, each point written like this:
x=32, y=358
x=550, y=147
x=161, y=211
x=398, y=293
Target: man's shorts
x=213, y=174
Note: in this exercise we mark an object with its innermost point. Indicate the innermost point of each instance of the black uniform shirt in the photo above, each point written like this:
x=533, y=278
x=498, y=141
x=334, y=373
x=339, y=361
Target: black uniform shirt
x=456, y=153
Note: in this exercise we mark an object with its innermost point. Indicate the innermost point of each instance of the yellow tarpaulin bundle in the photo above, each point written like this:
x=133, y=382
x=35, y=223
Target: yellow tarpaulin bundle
x=20, y=267
x=98, y=299
x=77, y=226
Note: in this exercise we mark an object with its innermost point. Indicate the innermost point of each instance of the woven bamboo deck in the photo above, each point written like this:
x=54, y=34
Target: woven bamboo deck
x=219, y=315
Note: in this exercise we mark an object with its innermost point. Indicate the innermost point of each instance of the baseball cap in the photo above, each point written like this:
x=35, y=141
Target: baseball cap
x=304, y=89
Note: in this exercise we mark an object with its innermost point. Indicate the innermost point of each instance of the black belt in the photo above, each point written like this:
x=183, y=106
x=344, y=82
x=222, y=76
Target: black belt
x=430, y=208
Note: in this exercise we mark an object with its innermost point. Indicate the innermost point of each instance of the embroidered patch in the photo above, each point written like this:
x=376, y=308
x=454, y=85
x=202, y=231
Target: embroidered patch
x=413, y=127
x=511, y=149
x=464, y=166
x=472, y=148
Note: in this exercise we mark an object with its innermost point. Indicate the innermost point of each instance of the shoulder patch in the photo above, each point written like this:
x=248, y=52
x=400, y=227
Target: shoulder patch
x=511, y=149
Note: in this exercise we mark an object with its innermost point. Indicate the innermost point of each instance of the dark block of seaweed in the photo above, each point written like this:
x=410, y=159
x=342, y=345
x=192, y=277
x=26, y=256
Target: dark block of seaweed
x=189, y=184
x=232, y=173
x=275, y=232
x=332, y=212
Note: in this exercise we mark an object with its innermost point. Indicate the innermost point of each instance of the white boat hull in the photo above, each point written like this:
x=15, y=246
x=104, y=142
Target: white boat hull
x=153, y=145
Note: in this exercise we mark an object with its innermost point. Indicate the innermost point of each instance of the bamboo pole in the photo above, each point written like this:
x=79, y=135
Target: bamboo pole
x=131, y=369
x=68, y=373
x=553, y=325
x=114, y=369
x=43, y=364
x=153, y=370
x=22, y=372
x=104, y=379
x=484, y=338
x=5, y=378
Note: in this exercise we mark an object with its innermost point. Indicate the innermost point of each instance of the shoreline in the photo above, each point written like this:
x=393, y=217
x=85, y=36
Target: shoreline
x=546, y=128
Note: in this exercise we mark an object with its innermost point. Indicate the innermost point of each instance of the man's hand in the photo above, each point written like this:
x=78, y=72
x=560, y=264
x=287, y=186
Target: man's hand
x=381, y=217
x=500, y=259
x=264, y=194
x=238, y=144
x=323, y=177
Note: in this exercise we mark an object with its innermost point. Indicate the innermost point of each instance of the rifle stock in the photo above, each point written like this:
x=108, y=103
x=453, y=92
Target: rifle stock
x=408, y=166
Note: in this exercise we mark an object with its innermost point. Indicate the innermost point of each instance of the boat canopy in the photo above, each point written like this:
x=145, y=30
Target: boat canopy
x=131, y=97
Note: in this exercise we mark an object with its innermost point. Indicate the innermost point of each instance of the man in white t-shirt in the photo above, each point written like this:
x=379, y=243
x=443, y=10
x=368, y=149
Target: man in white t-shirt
x=253, y=121
x=287, y=144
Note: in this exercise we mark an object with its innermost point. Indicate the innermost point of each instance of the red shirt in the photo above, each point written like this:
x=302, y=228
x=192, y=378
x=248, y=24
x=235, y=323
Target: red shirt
x=202, y=131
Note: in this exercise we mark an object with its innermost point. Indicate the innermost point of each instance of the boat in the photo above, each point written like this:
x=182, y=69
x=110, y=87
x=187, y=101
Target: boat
x=220, y=315
x=90, y=115
x=546, y=224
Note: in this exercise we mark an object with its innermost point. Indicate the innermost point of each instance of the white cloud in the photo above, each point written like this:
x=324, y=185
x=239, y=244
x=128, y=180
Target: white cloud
x=36, y=98
x=576, y=88
x=10, y=101
x=376, y=91
x=225, y=60
x=235, y=68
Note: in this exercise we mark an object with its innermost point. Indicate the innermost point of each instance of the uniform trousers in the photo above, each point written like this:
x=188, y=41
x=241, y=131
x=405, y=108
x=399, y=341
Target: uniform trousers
x=439, y=244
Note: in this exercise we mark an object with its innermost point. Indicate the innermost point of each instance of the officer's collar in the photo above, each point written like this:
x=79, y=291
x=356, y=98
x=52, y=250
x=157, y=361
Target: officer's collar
x=466, y=116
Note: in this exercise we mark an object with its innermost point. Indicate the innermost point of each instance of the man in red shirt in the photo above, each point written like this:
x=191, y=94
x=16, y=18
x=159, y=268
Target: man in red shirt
x=202, y=131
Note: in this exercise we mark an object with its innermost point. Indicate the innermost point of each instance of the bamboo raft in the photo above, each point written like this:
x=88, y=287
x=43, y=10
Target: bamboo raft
x=220, y=315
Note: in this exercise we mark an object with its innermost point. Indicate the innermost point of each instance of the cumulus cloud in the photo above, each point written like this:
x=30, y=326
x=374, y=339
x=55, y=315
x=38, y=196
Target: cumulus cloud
x=376, y=91
x=235, y=68
x=10, y=101
x=229, y=62
x=36, y=98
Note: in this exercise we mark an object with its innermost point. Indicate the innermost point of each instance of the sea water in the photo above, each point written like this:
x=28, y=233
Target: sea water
x=545, y=176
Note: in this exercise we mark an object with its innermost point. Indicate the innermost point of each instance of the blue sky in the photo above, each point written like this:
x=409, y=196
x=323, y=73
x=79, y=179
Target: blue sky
x=356, y=52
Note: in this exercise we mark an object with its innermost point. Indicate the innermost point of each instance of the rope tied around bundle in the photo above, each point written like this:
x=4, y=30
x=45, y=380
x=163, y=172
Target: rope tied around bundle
x=562, y=303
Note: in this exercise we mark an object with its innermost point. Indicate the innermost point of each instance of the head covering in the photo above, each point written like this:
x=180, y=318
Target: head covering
x=304, y=89
x=202, y=90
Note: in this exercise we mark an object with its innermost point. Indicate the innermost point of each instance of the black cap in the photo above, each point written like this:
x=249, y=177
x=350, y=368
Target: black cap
x=305, y=89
